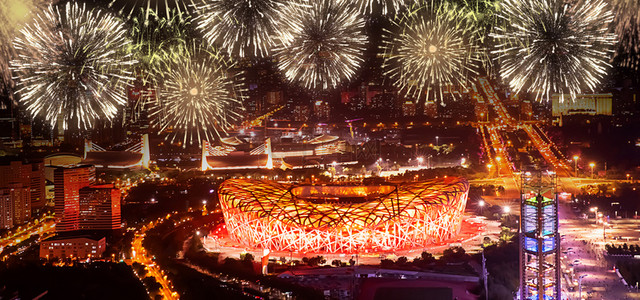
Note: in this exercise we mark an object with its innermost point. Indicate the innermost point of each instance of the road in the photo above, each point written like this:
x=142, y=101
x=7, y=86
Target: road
x=140, y=256
x=582, y=254
x=44, y=226
x=545, y=146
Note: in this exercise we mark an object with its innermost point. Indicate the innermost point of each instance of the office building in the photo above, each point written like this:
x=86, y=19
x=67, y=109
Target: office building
x=75, y=247
x=28, y=175
x=68, y=181
x=99, y=207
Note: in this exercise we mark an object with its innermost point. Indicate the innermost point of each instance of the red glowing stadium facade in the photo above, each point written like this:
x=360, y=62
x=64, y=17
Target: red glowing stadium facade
x=342, y=218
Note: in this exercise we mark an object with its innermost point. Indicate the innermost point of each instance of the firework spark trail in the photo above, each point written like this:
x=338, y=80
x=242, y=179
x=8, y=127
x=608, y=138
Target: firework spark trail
x=321, y=43
x=547, y=46
x=14, y=14
x=163, y=8
x=627, y=24
x=157, y=39
x=200, y=97
x=72, y=63
x=430, y=47
x=242, y=27
x=385, y=6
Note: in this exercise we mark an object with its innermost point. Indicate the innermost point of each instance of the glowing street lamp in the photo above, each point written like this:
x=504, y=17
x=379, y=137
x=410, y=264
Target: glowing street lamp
x=420, y=160
x=580, y=286
x=628, y=177
x=592, y=165
x=575, y=165
x=481, y=203
x=506, y=209
x=489, y=167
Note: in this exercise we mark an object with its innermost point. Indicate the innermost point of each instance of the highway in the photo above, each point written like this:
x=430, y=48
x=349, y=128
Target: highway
x=44, y=226
x=543, y=144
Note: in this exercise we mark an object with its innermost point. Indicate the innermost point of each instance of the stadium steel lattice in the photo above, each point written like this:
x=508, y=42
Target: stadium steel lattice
x=342, y=218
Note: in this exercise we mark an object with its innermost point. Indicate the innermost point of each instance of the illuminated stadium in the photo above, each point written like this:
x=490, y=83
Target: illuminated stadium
x=342, y=218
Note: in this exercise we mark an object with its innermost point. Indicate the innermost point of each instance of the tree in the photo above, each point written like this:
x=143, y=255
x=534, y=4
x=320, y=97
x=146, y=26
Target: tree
x=454, y=254
x=486, y=241
x=506, y=235
x=151, y=283
x=247, y=257
x=427, y=257
x=402, y=260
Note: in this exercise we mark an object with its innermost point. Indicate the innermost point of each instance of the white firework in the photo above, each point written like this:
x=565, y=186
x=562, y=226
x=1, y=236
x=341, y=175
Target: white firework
x=241, y=27
x=321, y=43
x=200, y=97
x=431, y=47
x=549, y=46
x=72, y=64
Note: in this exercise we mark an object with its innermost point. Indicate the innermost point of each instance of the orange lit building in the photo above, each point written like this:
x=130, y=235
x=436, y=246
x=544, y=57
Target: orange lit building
x=6, y=210
x=27, y=176
x=15, y=205
x=345, y=218
x=68, y=181
x=99, y=207
x=80, y=247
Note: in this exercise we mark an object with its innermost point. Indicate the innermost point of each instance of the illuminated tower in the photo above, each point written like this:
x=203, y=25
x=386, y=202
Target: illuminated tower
x=269, y=154
x=539, y=238
x=146, y=156
x=205, y=151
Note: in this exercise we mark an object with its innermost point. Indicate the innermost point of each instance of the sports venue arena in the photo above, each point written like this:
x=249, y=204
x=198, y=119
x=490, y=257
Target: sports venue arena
x=344, y=218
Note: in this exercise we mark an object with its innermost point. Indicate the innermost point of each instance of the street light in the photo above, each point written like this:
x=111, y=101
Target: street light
x=489, y=166
x=420, y=160
x=498, y=159
x=481, y=203
x=506, y=209
x=437, y=143
x=575, y=165
x=580, y=285
x=592, y=165
x=628, y=177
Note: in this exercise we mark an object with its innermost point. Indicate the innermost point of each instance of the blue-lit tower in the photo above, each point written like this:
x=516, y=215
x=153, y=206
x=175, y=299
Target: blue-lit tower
x=539, y=238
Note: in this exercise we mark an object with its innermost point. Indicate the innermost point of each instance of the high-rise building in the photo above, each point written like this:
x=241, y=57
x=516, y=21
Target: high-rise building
x=68, y=181
x=99, y=207
x=321, y=109
x=274, y=98
x=6, y=210
x=301, y=113
x=30, y=176
x=15, y=205
x=430, y=109
x=408, y=108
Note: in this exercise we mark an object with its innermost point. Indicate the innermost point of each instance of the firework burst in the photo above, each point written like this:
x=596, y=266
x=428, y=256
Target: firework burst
x=321, y=43
x=72, y=64
x=627, y=24
x=14, y=14
x=157, y=39
x=162, y=8
x=547, y=46
x=200, y=97
x=241, y=27
x=385, y=6
x=431, y=47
